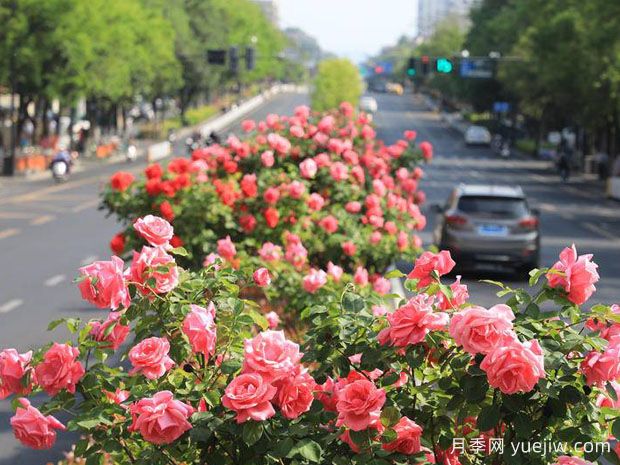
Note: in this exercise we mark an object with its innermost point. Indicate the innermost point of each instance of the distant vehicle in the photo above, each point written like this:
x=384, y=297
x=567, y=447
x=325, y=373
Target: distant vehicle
x=489, y=227
x=477, y=135
x=395, y=88
x=368, y=104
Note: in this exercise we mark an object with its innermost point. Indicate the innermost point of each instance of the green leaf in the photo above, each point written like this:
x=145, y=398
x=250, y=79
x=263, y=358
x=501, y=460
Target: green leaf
x=252, y=432
x=611, y=391
x=308, y=449
x=283, y=448
x=390, y=416
x=180, y=251
x=394, y=274
x=488, y=418
x=615, y=428
x=95, y=459
x=353, y=303
x=258, y=318
x=54, y=324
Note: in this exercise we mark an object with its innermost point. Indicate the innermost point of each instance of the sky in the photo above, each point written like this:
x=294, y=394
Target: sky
x=351, y=28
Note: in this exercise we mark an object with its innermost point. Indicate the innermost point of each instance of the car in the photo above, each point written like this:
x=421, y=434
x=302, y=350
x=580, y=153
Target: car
x=477, y=135
x=489, y=228
x=395, y=88
x=368, y=104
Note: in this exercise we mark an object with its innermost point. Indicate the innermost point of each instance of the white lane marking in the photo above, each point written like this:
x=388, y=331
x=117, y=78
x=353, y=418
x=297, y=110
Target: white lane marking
x=10, y=305
x=8, y=233
x=601, y=231
x=42, y=220
x=55, y=280
x=88, y=260
x=85, y=205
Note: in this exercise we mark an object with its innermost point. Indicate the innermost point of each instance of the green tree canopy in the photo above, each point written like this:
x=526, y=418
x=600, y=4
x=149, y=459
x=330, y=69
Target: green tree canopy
x=337, y=80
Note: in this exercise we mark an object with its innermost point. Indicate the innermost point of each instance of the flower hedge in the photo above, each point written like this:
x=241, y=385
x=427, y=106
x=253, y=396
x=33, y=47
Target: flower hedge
x=184, y=371
x=317, y=190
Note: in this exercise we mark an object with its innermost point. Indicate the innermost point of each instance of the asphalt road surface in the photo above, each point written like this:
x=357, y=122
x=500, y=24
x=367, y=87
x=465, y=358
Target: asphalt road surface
x=47, y=231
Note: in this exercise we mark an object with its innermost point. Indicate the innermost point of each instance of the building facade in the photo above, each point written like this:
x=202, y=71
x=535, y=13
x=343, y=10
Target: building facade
x=432, y=12
x=270, y=8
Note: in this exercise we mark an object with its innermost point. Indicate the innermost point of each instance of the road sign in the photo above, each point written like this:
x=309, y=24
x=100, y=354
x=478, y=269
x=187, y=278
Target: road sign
x=477, y=68
x=501, y=107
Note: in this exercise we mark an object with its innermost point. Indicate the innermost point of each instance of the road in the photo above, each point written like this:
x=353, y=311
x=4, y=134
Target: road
x=47, y=231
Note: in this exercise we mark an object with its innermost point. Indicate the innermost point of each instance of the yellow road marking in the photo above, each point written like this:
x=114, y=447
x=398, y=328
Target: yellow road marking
x=85, y=205
x=42, y=220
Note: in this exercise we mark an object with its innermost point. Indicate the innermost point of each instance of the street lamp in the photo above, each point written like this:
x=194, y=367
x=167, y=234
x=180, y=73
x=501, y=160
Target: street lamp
x=465, y=53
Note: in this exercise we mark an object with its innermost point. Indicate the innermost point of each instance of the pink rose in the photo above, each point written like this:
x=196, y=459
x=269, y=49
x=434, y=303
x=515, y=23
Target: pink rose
x=429, y=262
x=271, y=195
x=102, y=284
x=329, y=224
x=359, y=405
x=514, y=366
x=32, y=428
x=296, y=189
x=116, y=336
x=248, y=125
x=315, y=280
x=59, y=369
x=270, y=252
x=150, y=357
x=273, y=319
x=480, y=330
x=379, y=310
x=408, y=438
x=297, y=131
x=575, y=274
x=460, y=294
x=154, y=229
x=315, y=201
x=327, y=123
x=199, y=327
x=410, y=135
x=118, y=397
x=153, y=263
x=249, y=396
x=569, y=460
x=212, y=259
x=339, y=171
x=308, y=168
x=261, y=277
x=13, y=369
x=296, y=255
x=411, y=323
x=226, y=248
x=160, y=419
x=353, y=207
x=427, y=150
x=278, y=143
x=295, y=393
x=334, y=271
x=270, y=355
x=267, y=158
x=381, y=285
x=600, y=367
x=349, y=248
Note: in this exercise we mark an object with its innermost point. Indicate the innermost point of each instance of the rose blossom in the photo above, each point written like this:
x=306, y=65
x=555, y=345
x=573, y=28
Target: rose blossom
x=359, y=405
x=226, y=248
x=102, y=284
x=150, y=357
x=271, y=355
x=429, y=262
x=460, y=294
x=408, y=438
x=379, y=310
x=261, y=277
x=315, y=280
x=270, y=252
x=116, y=336
x=334, y=271
x=315, y=201
x=600, y=367
x=353, y=207
x=13, y=368
x=267, y=158
x=153, y=263
x=349, y=248
x=32, y=428
x=411, y=323
x=480, y=330
x=575, y=274
x=249, y=396
x=271, y=195
x=308, y=168
x=427, y=150
x=329, y=224
x=295, y=393
x=121, y=180
x=59, y=369
x=160, y=419
x=296, y=255
x=569, y=460
x=154, y=229
x=514, y=366
x=273, y=319
x=118, y=397
x=381, y=285
x=296, y=189
x=199, y=327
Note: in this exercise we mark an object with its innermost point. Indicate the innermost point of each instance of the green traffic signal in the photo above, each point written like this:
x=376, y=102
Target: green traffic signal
x=411, y=72
x=443, y=65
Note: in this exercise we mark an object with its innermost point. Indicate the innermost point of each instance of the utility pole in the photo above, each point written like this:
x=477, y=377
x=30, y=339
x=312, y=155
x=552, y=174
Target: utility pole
x=8, y=167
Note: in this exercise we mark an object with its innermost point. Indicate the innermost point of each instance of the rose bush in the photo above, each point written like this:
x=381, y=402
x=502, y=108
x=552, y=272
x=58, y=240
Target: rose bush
x=191, y=373
x=297, y=194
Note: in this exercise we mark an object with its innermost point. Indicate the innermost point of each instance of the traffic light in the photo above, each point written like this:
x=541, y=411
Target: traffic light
x=425, y=64
x=216, y=57
x=378, y=69
x=411, y=67
x=233, y=60
x=443, y=65
x=250, y=58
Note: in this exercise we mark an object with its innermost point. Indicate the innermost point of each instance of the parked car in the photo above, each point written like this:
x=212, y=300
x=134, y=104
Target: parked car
x=395, y=88
x=489, y=227
x=477, y=135
x=368, y=104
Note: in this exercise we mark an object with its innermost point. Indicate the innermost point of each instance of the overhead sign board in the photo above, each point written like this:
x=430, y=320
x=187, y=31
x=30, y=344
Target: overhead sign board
x=477, y=68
